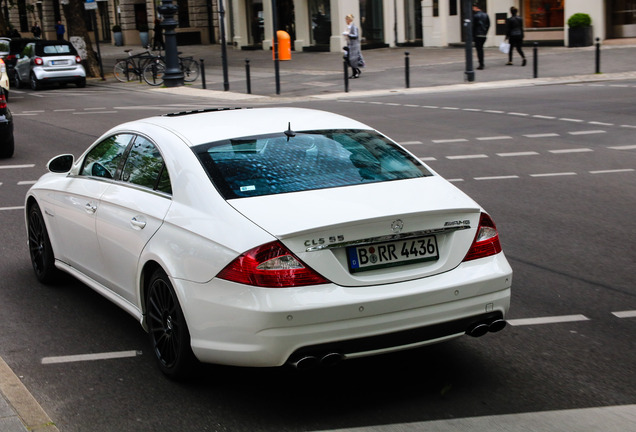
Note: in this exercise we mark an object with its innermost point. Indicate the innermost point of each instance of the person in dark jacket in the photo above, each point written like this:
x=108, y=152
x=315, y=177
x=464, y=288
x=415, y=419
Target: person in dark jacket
x=481, y=24
x=514, y=35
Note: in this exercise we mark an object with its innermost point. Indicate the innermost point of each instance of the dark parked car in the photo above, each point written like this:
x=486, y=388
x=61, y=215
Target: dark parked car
x=6, y=128
x=49, y=62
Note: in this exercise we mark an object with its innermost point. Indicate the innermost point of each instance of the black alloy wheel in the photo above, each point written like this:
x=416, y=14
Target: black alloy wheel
x=40, y=249
x=35, y=83
x=168, y=330
x=16, y=80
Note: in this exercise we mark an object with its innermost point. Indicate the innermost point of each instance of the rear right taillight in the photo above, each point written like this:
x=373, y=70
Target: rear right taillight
x=271, y=265
x=78, y=59
x=3, y=100
x=486, y=242
x=38, y=61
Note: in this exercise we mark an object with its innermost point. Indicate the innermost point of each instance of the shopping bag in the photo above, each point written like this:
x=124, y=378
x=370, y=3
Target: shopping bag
x=504, y=47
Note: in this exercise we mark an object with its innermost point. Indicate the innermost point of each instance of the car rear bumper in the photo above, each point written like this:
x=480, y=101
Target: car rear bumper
x=246, y=326
x=60, y=76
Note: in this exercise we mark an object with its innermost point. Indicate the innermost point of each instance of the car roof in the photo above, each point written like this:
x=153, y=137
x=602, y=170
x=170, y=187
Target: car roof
x=204, y=126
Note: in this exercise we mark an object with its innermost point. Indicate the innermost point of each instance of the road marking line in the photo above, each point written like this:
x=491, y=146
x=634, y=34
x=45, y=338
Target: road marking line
x=528, y=153
x=94, y=112
x=544, y=117
x=475, y=156
x=628, y=126
x=493, y=111
x=518, y=114
x=547, y=320
x=543, y=135
x=498, y=177
x=90, y=357
x=625, y=147
x=494, y=138
x=429, y=158
x=95, y=109
x=444, y=141
x=16, y=166
x=571, y=120
x=601, y=123
x=625, y=314
x=455, y=180
x=430, y=106
x=590, y=132
x=578, y=150
x=64, y=110
x=26, y=182
x=450, y=108
x=411, y=106
x=12, y=208
x=612, y=171
x=553, y=174
x=411, y=142
x=472, y=109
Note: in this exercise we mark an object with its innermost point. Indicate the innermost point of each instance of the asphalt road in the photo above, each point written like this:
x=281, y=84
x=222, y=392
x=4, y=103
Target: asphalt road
x=554, y=165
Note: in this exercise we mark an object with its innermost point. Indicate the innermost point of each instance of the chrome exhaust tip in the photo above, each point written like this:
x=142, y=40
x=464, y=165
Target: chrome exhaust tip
x=304, y=363
x=331, y=359
x=497, y=325
x=478, y=330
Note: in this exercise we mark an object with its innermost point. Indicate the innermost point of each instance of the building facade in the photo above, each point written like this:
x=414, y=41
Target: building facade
x=317, y=25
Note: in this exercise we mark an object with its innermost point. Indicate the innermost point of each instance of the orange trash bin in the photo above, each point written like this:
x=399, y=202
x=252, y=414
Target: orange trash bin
x=284, y=46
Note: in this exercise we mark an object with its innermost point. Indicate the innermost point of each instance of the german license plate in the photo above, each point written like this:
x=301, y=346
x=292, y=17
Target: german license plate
x=394, y=253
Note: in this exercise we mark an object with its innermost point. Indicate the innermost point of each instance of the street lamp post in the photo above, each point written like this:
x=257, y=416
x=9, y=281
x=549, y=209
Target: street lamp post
x=173, y=76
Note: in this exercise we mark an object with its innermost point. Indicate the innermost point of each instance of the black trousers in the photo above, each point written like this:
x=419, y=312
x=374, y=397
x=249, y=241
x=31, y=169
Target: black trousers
x=479, y=47
x=515, y=42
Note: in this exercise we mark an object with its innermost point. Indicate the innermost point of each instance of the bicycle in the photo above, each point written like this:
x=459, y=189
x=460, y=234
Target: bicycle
x=132, y=67
x=154, y=71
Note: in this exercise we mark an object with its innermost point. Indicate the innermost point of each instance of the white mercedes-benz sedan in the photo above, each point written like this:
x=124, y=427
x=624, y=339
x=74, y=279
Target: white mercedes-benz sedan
x=264, y=237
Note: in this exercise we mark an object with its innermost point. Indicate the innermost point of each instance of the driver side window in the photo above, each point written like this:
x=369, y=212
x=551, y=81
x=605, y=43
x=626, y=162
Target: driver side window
x=105, y=158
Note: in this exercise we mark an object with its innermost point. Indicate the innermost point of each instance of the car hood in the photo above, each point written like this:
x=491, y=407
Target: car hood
x=319, y=225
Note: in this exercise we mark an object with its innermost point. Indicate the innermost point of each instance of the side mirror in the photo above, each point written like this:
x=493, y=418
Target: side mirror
x=61, y=163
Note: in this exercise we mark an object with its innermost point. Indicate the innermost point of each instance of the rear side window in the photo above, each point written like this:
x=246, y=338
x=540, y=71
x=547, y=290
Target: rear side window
x=104, y=159
x=144, y=167
x=272, y=164
x=57, y=49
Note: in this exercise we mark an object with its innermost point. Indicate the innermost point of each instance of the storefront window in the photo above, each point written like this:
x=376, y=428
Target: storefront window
x=371, y=20
x=320, y=15
x=543, y=13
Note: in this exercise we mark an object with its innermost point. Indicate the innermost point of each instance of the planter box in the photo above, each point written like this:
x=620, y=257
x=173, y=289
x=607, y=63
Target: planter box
x=580, y=36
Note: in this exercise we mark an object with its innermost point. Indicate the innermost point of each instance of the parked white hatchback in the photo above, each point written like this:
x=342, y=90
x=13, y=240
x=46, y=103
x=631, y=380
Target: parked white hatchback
x=264, y=237
x=43, y=62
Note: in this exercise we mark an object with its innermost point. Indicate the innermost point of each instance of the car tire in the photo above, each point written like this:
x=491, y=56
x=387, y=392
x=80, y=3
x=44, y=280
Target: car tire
x=16, y=80
x=35, y=83
x=81, y=83
x=40, y=249
x=169, y=335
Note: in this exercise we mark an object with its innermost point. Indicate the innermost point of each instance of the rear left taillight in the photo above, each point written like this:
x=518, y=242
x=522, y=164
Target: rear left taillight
x=271, y=265
x=38, y=61
x=486, y=242
x=78, y=59
x=3, y=100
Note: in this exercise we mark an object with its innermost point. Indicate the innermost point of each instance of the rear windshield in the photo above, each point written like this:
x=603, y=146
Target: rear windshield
x=56, y=49
x=273, y=164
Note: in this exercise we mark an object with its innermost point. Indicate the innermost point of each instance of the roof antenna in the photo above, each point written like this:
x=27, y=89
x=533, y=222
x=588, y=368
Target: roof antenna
x=289, y=133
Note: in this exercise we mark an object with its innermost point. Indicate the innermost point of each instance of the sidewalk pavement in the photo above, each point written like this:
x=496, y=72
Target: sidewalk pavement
x=320, y=75
x=315, y=76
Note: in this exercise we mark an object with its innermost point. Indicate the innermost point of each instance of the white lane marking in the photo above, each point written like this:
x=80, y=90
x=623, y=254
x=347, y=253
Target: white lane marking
x=571, y=120
x=474, y=156
x=494, y=138
x=455, y=180
x=493, y=111
x=600, y=123
x=64, y=110
x=26, y=182
x=625, y=147
x=528, y=153
x=12, y=208
x=16, y=166
x=411, y=142
x=589, y=132
x=545, y=117
x=554, y=174
x=472, y=109
x=90, y=357
x=616, y=418
x=625, y=314
x=430, y=106
x=542, y=135
x=95, y=109
x=577, y=150
x=498, y=177
x=445, y=141
x=612, y=171
x=429, y=158
x=94, y=112
x=23, y=115
x=518, y=114
x=547, y=320
x=450, y=108
x=628, y=126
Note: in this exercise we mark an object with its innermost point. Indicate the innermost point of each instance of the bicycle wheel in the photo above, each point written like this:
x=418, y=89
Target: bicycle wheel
x=124, y=71
x=190, y=68
x=153, y=73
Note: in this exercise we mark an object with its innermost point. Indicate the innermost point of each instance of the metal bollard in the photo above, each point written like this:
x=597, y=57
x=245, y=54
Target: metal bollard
x=407, y=77
x=535, y=60
x=248, y=80
x=346, y=75
x=203, y=74
x=598, y=55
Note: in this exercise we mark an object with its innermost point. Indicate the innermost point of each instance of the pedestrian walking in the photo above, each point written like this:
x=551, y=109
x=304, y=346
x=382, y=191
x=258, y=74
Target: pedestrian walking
x=481, y=24
x=60, y=30
x=36, y=30
x=514, y=35
x=353, y=53
x=157, y=40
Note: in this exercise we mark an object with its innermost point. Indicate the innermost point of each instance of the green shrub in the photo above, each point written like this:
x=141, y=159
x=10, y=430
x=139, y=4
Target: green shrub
x=579, y=20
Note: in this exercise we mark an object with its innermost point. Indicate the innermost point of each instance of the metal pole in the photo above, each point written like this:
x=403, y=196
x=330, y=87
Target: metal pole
x=469, y=74
x=346, y=75
x=203, y=74
x=248, y=79
x=173, y=76
x=407, y=76
x=226, y=81
x=598, y=56
x=535, y=60
x=275, y=47
x=99, y=53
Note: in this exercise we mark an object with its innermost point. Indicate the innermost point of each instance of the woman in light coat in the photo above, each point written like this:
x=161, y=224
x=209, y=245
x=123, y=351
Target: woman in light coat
x=354, y=55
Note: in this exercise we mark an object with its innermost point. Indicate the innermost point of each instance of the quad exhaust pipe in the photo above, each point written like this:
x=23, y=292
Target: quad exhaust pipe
x=479, y=329
x=309, y=362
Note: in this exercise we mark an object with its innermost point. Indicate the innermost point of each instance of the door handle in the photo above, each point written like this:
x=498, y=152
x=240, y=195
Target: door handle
x=90, y=208
x=138, y=224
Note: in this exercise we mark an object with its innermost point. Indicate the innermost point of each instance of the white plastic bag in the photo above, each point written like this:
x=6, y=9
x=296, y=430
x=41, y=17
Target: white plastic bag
x=504, y=47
